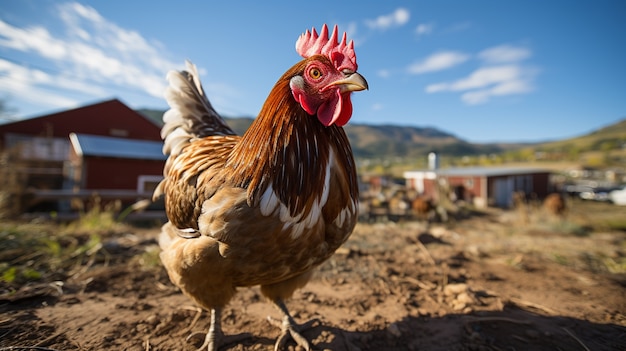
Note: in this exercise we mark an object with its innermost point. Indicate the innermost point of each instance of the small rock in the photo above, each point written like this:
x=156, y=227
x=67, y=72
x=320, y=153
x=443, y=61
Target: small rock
x=454, y=289
x=457, y=306
x=152, y=320
x=465, y=298
x=72, y=300
x=394, y=330
x=438, y=232
x=342, y=251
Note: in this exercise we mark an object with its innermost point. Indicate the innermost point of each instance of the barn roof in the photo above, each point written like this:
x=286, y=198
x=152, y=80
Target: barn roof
x=106, y=118
x=479, y=171
x=489, y=171
x=95, y=145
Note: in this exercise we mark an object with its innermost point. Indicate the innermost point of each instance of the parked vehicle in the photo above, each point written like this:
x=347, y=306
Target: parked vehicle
x=618, y=196
x=597, y=194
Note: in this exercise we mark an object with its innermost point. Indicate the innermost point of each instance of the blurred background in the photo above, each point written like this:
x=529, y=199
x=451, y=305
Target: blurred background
x=491, y=154
x=480, y=84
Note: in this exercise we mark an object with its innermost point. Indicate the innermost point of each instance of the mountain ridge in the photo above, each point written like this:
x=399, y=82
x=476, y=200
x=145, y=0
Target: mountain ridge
x=401, y=141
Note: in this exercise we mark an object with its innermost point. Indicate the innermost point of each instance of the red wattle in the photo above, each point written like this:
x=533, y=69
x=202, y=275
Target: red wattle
x=336, y=110
x=301, y=99
x=346, y=111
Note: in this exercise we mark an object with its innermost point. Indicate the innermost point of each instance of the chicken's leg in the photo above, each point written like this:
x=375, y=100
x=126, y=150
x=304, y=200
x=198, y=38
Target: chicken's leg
x=215, y=337
x=289, y=328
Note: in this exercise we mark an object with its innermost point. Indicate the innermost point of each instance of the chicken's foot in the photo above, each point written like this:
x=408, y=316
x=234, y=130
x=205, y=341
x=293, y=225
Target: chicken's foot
x=215, y=337
x=289, y=328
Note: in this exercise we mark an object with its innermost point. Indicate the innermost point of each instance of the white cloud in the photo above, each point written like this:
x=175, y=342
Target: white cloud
x=423, y=29
x=114, y=53
x=32, y=39
x=352, y=31
x=91, y=57
x=458, y=27
x=476, y=97
x=435, y=88
x=486, y=76
x=486, y=82
x=383, y=73
x=68, y=11
x=504, y=53
x=32, y=85
x=398, y=18
x=512, y=87
x=503, y=73
x=438, y=61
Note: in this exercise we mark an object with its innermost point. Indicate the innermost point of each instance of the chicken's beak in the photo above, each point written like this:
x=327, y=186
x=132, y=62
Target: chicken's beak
x=352, y=82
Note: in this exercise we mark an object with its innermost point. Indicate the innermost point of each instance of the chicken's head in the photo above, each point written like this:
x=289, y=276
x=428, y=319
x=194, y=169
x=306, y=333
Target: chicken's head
x=328, y=77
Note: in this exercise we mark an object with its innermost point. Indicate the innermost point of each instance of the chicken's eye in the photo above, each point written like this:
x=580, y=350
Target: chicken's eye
x=315, y=73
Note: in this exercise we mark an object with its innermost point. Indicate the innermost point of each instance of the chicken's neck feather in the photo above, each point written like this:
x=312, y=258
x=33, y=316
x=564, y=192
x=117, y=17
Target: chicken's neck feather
x=289, y=150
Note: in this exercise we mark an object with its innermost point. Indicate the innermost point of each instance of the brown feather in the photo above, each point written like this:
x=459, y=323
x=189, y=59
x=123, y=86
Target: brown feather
x=220, y=185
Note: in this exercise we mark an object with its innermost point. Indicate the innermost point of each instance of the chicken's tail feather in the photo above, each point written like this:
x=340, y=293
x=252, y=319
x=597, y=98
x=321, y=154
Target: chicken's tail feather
x=190, y=115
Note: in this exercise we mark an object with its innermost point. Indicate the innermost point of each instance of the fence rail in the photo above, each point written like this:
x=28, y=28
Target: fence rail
x=84, y=196
x=88, y=194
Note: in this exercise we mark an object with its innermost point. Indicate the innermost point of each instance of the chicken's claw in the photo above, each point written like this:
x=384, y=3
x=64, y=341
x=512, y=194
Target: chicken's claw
x=291, y=330
x=215, y=337
x=209, y=343
x=213, y=343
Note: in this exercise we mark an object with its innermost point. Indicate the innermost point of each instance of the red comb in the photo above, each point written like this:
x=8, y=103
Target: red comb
x=340, y=53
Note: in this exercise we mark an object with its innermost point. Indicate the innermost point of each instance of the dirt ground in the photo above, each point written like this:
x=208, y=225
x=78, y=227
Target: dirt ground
x=501, y=280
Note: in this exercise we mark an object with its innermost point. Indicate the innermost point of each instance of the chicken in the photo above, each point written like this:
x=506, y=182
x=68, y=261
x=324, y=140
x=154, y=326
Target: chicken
x=267, y=207
x=555, y=205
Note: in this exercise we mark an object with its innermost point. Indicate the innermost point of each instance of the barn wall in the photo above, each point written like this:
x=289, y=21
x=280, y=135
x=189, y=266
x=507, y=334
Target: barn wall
x=532, y=185
x=500, y=190
x=485, y=189
x=542, y=186
x=108, y=118
x=116, y=173
x=430, y=189
x=466, y=188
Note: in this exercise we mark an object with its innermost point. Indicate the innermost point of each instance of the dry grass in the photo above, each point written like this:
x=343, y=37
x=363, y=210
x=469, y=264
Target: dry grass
x=48, y=252
x=589, y=236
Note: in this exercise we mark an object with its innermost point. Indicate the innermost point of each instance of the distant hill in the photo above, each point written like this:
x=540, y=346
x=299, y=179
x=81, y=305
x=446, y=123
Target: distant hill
x=384, y=141
x=238, y=124
x=609, y=137
x=392, y=141
x=603, y=147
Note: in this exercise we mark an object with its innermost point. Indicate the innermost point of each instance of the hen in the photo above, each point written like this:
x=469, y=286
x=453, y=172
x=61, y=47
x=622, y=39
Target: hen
x=267, y=207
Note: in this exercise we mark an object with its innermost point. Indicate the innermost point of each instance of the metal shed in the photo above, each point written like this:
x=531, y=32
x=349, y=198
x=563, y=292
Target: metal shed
x=99, y=162
x=481, y=186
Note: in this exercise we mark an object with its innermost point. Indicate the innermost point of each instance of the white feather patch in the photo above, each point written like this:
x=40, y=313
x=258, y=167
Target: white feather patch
x=297, y=229
x=269, y=204
x=347, y=212
x=269, y=201
x=285, y=215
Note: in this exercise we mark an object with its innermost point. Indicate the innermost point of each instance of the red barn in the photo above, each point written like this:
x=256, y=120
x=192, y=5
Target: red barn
x=107, y=118
x=113, y=147
x=99, y=162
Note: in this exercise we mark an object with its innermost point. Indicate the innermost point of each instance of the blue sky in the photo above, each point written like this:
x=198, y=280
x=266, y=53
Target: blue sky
x=483, y=70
